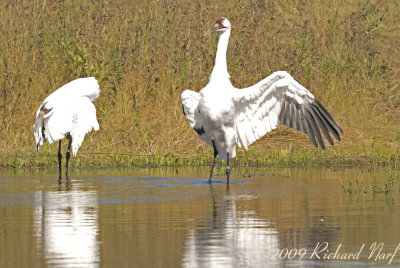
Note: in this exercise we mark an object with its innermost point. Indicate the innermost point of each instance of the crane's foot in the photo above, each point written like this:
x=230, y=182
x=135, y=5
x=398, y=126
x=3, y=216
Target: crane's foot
x=211, y=172
x=68, y=156
x=228, y=170
x=59, y=155
x=59, y=165
x=213, y=163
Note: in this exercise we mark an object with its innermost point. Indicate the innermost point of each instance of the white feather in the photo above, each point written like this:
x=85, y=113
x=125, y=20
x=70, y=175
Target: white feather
x=190, y=103
x=71, y=113
x=267, y=96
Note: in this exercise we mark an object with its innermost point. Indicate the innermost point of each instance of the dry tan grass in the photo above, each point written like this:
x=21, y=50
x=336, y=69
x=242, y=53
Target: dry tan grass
x=145, y=53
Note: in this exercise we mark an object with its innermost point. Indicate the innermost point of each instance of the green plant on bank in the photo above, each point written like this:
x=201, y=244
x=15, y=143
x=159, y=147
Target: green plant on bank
x=145, y=53
x=291, y=157
x=370, y=186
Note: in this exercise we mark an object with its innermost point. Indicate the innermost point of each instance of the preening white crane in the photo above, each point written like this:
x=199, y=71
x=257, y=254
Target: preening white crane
x=67, y=112
x=224, y=116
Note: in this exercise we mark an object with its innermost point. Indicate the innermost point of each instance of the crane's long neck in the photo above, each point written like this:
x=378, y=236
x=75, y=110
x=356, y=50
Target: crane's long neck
x=220, y=68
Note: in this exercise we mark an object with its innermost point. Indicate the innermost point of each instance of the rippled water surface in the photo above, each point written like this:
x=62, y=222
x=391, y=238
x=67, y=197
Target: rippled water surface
x=174, y=218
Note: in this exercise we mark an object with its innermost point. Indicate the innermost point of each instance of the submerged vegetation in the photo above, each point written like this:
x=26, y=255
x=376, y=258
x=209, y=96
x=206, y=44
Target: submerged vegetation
x=145, y=53
x=372, y=185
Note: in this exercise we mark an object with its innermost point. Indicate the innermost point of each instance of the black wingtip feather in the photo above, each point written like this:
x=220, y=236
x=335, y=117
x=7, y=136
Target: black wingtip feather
x=311, y=119
x=308, y=128
x=199, y=131
x=183, y=110
x=329, y=117
x=315, y=128
x=331, y=123
x=322, y=124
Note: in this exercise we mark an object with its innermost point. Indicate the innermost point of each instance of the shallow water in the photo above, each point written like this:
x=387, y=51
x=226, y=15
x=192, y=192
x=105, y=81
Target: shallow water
x=173, y=217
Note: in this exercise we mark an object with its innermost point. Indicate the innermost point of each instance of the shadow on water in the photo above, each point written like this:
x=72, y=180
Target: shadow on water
x=172, y=218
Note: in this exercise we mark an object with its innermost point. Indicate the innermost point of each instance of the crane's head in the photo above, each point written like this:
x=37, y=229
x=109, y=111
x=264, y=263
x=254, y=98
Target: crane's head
x=221, y=25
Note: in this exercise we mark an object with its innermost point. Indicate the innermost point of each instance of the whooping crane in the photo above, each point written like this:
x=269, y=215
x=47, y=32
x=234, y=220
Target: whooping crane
x=68, y=112
x=224, y=116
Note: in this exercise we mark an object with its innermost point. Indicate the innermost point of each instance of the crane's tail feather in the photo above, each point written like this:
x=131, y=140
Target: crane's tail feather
x=79, y=136
x=38, y=132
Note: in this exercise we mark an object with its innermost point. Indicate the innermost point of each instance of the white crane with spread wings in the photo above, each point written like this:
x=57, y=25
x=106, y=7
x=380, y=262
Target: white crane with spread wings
x=224, y=116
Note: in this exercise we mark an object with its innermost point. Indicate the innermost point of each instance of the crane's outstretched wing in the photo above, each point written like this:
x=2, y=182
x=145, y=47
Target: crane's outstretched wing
x=190, y=103
x=279, y=99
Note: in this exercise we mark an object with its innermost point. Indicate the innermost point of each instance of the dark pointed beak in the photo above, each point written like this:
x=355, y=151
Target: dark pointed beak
x=213, y=29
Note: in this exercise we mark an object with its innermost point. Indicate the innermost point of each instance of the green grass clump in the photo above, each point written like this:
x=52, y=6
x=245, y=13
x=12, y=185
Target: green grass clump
x=145, y=53
x=372, y=186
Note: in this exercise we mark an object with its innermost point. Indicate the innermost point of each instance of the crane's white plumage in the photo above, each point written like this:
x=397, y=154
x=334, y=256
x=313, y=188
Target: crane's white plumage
x=68, y=111
x=224, y=116
x=281, y=100
x=190, y=103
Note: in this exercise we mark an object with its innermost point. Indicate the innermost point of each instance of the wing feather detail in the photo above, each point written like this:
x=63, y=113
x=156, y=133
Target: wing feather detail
x=190, y=106
x=190, y=102
x=279, y=99
x=83, y=121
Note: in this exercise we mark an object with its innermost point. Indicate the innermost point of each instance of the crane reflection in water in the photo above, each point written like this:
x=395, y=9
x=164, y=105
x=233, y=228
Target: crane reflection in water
x=66, y=226
x=230, y=238
x=233, y=237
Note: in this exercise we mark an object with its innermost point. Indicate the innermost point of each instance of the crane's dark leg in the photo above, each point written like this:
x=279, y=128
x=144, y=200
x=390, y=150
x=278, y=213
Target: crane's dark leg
x=213, y=163
x=68, y=155
x=228, y=169
x=59, y=160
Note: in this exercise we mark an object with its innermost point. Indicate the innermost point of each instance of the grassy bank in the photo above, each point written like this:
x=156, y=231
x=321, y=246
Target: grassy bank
x=145, y=53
